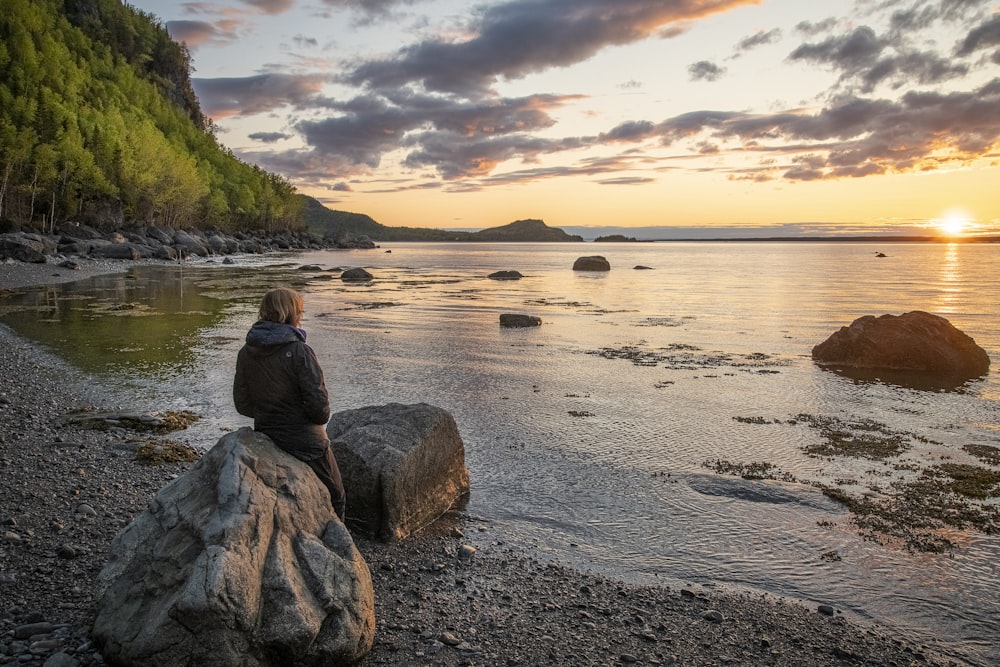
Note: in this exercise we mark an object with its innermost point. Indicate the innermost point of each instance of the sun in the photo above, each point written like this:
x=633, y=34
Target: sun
x=954, y=224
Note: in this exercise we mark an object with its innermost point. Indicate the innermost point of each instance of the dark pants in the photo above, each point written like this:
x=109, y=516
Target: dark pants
x=326, y=469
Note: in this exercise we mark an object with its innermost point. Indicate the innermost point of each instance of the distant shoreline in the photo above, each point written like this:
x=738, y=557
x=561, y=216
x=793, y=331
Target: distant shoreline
x=824, y=239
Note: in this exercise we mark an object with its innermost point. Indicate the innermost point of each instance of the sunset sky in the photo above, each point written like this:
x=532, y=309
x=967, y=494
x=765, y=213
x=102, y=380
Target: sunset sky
x=841, y=115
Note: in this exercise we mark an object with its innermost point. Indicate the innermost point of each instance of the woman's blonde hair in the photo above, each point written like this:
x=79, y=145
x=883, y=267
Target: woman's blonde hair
x=282, y=305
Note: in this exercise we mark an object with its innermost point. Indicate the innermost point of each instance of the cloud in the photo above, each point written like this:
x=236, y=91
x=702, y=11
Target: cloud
x=270, y=137
x=370, y=7
x=457, y=138
x=521, y=37
x=867, y=60
x=224, y=97
x=704, y=70
x=626, y=180
x=985, y=36
x=271, y=6
x=858, y=136
x=200, y=33
x=811, y=29
x=760, y=38
x=431, y=107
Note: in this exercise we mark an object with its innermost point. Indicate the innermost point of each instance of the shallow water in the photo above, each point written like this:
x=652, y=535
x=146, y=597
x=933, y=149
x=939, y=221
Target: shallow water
x=587, y=437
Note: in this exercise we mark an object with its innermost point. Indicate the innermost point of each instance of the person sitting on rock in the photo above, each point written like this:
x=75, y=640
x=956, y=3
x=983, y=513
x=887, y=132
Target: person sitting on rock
x=279, y=383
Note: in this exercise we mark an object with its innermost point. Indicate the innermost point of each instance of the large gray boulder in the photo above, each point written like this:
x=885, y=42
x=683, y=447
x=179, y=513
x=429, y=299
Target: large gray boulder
x=914, y=342
x=114, y=250
x=403, y=466
x=22, y=247
x=239, y=562
x=189, y=244
x=591, y=263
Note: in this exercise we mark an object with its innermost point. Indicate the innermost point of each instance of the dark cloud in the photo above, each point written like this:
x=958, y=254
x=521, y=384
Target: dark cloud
x=760, y=38
x=224, y=97
x=270, y=137
x=812, y=29
x=704, y=70
x=631, y=131
x=867, y=60
x=304, y=42
x=850, y=52
x=525, y=36
x=985, y=36
x=456, y=138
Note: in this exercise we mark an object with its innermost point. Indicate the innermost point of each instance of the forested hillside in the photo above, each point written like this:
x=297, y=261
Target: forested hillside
x=99, y=124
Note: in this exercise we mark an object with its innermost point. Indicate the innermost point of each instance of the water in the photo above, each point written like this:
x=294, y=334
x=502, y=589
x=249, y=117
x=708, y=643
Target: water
x=587, y=438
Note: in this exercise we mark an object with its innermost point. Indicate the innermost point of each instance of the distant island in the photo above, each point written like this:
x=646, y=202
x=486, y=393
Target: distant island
x=346, y=228
x=616, y=238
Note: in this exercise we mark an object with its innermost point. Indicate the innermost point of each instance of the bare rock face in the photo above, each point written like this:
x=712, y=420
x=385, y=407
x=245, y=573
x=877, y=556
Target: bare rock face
x=403, y=466
x=592, y=263
x=239, y=562
x=914, y=342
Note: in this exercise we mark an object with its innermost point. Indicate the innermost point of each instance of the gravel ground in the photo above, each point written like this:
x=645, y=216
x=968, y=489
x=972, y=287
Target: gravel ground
x=457, y=595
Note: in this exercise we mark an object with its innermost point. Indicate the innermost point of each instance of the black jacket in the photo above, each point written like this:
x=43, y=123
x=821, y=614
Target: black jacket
x=280, y=384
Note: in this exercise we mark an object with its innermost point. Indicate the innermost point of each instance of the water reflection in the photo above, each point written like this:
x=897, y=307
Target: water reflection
x=950, y=280
x=147, y=320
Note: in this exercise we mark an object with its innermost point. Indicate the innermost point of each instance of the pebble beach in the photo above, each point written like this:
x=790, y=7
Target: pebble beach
x=459, y=594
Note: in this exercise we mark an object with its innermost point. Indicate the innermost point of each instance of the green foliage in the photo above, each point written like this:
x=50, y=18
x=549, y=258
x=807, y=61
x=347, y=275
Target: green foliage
x=99, y=124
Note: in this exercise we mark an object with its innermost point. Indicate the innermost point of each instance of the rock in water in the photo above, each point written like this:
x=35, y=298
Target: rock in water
x=517, y=320
x=403, y=466
x=356, y=275
x=592, y=263
x=912, y=342
x=239, y=562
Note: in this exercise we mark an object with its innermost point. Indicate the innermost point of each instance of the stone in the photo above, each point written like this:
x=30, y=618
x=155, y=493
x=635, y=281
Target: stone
x=21, y=248
x=357, y=275
x=505, y=275
x=61, y=659
x=591, y=263
x=120, y=250
x=29, y=630
x=188, y=244
x=914, y=342
x=403, y=466
x=240, y=561
x=516, y=320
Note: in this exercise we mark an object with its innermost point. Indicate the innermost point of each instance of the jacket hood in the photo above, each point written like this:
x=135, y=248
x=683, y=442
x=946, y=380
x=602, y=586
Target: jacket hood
x=268, y=334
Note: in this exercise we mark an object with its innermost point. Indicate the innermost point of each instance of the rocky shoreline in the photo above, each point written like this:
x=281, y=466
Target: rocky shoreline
x=458, y=594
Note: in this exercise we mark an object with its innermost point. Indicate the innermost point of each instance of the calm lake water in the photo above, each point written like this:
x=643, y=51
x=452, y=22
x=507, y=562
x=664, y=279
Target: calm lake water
x=590, y=438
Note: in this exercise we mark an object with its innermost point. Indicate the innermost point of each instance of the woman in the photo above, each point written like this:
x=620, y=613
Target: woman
x=279, y=383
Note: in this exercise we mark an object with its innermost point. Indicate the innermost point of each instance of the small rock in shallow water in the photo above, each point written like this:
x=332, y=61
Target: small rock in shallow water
x=826, y=610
